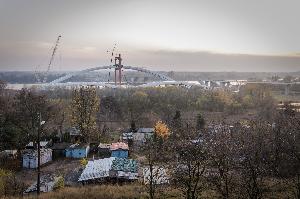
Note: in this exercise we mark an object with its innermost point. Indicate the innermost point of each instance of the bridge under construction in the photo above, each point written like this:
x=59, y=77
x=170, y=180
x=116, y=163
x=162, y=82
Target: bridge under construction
x=119, y=82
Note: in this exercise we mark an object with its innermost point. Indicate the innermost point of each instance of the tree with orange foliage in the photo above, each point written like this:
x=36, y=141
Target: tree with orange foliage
x=155, y=151
x=161, y=130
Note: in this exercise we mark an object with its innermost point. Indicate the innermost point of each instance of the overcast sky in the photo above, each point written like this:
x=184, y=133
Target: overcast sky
x=179, y=35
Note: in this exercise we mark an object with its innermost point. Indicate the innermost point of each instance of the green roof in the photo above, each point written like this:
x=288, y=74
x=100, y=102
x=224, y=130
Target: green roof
x=126, y=165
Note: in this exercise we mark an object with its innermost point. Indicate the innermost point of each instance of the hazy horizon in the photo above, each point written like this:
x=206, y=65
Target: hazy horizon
x=201, y=36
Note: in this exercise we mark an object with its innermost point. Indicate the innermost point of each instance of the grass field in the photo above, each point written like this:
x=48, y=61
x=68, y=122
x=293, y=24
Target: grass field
x=277, y=189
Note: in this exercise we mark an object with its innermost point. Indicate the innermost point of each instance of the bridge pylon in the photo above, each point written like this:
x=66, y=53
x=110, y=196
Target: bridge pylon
x=118, y=68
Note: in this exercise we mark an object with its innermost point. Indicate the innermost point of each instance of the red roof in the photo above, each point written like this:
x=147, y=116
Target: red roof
x=119, y=145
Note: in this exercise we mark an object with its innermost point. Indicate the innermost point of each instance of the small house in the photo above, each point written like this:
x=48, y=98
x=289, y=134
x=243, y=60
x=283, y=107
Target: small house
x=104, y=150
x=142, y=134
x=78, y=151
x=59, y=149
x=119, y=150
x=30, y=157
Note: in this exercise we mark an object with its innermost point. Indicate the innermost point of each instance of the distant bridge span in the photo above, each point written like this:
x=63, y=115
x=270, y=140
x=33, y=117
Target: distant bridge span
x=68, y=76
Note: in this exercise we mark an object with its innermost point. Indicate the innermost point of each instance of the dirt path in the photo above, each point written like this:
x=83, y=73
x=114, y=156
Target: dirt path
x=69, y=168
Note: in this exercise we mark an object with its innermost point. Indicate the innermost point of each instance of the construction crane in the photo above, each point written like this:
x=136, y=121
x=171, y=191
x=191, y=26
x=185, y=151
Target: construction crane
x=45, y=75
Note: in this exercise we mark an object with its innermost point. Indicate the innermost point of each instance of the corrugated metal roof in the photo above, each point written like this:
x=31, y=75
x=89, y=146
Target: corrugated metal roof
x=96, y=169
x=110, y=167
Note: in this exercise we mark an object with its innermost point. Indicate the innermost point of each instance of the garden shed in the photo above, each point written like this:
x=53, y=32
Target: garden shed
x=78, y=151
x=104, y=150
x=30, y=157
x=119, y=150
x=59, y=149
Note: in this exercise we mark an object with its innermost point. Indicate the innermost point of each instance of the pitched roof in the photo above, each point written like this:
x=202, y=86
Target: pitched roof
x=119, y=145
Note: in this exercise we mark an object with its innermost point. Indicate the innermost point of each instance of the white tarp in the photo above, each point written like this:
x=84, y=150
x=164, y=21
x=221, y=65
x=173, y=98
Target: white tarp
x=97, y=169
x=102, y=168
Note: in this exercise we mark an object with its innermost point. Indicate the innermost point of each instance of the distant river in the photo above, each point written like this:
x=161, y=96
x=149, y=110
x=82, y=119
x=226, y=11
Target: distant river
x=19, y=86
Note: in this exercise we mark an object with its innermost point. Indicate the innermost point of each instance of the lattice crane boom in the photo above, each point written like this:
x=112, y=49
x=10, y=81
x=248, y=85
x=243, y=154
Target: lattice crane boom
x=51, y=59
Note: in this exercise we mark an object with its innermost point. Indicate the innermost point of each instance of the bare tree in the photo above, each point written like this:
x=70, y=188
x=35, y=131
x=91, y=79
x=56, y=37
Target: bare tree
x=191, y=161
x=155, y=151
x=222, y=158
x=287, y=130
x=252, y=147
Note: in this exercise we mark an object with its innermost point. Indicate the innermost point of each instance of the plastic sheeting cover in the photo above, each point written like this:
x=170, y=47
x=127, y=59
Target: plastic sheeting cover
x=110, y=167
x=96, y=169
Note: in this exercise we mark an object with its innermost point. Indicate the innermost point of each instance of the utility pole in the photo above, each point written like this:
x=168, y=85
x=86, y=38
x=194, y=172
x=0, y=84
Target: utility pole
x=38, y=184
x=39, y=154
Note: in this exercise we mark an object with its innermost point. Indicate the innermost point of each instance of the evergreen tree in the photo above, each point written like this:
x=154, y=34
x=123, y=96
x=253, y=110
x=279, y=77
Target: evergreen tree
x=133, y=126
x=177, y=122
x=85, y=104
x=200, y=122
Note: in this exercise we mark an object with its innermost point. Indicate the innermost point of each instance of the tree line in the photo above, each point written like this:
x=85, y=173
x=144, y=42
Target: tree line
x=228, y=161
